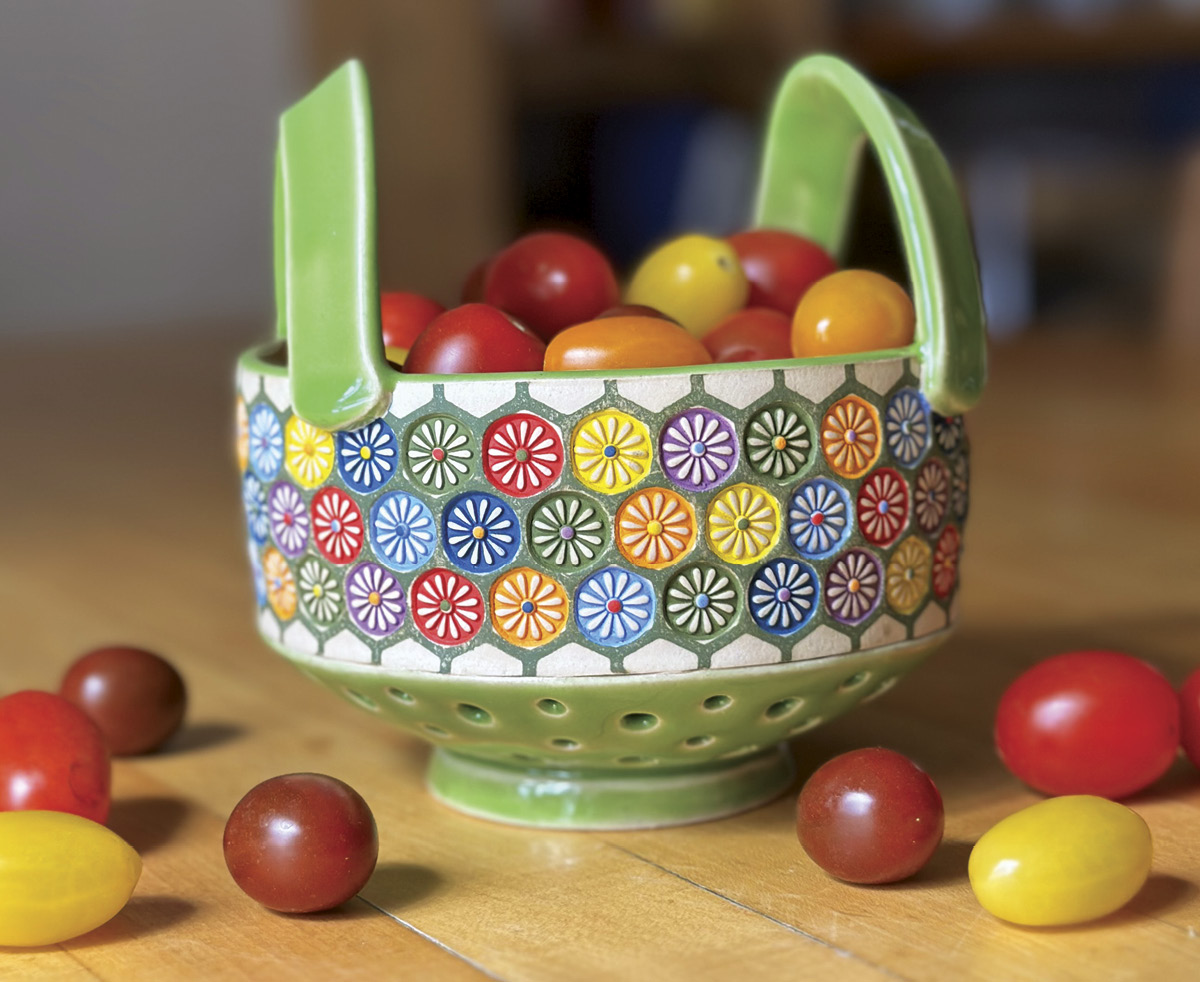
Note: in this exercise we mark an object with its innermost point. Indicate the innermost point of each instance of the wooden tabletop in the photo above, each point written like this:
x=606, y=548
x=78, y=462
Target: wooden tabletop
x=121, y=523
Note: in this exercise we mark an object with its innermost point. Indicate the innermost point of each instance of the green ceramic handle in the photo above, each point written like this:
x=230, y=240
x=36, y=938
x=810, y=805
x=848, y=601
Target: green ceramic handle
x=325, y=279
x=824, y=113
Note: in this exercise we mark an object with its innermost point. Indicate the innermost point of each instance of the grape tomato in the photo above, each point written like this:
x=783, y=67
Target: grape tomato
x=624, y=342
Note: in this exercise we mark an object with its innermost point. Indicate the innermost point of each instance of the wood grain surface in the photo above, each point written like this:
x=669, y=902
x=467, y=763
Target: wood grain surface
x=121, y=523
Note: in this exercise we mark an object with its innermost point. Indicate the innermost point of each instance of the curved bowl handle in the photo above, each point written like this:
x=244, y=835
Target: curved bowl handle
x=325, y=280
x=823, y=114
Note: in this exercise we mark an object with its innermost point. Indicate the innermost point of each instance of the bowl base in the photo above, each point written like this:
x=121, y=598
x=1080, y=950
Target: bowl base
x=543, y=797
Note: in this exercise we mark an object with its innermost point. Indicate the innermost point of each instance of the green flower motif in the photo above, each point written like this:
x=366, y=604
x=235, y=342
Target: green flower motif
x=778, y=443
x=320, y=592
x=567, y=530
x=437, y=451
x=701, y=601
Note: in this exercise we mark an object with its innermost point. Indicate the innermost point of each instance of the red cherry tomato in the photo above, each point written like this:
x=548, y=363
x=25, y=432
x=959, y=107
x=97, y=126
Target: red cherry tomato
x=472, y=288
x=753, y=334
x=551, y=280
x=850, y=311
x=1088, y=722
x=403, y=316
x=301, y=842
x=1189, y=721
x=474, y=338
x=624, y=342
x=780, y=266
x=52, y=757
x=870, y=816
x=634, y=310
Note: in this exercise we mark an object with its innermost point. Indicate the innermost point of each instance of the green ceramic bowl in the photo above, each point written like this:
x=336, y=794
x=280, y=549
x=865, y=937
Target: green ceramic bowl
x=608, y=598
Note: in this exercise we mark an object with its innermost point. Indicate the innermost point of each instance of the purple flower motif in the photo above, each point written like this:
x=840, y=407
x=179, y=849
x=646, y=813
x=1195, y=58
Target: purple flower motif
x=289, y=519
x=699, y=449
x=375, y=600
x=853, y=586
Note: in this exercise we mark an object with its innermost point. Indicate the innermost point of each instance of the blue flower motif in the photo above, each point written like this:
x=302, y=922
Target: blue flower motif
x=819, y=519
x=367, y=457
x=480, y=532
x=614, y=607
x=266, y=441
x=254, y=500
x=907, y=427
x=783, y=596
x=256, y=570
x=402, y=531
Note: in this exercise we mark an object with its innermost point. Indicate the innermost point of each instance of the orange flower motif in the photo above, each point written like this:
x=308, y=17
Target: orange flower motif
x=243, y=434
x=850, y=436
x=655, y=528
x=528, y=607
x=281, y=585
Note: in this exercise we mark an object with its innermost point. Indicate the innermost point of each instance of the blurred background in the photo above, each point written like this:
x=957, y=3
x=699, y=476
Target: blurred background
x=136, y=141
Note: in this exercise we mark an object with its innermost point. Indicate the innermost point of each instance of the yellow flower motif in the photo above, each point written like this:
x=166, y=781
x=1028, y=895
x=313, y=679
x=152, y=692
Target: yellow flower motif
x=281, y=585
x=743, y=523
x=655, y=528
x=528, y=607
x=850, y=436
x=907, y=576
x=243, y=434
x=611, y=451
x=307, y=453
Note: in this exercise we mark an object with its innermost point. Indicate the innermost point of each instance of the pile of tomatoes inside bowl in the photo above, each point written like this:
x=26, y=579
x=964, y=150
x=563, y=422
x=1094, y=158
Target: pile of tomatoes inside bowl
x=552, y=301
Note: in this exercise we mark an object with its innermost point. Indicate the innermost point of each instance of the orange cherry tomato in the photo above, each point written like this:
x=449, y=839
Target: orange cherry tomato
x=753, y=334
x=624, y=342
x=850, y=311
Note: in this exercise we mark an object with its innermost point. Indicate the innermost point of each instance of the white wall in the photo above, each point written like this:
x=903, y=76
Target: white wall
x=136, y=155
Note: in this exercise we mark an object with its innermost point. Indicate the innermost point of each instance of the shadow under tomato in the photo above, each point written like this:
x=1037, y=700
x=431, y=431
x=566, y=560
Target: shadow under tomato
x=1161, y=893
x=147, y=823
x=142, y=916
x=397, y=885
x=201, y=736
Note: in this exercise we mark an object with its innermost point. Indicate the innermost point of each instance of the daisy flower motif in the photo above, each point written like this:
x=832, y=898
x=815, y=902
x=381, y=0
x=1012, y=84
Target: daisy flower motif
x=374, y=600
x=367, y=457
x=567, y=530
x=853, y=586
x=289, y=519
x=778, y=442
x=819, y=519
x=655, y=528
x=308, y=453
x=480, y=532
x=522, y=454
x=931, y=495
x=266, y=442
x=281, y=585
x=959, y=485
x=701, y=601
x=906, y=579
x=945, y=562
x=948, y=431
x=337, y=526
x=783, y=596
x=447, y=607
x=320, y=592
x=437, y=452
x=907, y=427
x=614, y=607
x=242, y=424
x=402, y=531
x=610, y=451
x=850, y=436
x=743, y=523
x=254, y=500
x=528, y=608
x=883, y=506
x=698, y=449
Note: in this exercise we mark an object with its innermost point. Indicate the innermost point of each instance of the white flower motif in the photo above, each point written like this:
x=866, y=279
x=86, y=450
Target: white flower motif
x=853, y=586
x=567, y=531
x=701, y=600
x=819, y=518
x=698, y=449
x=783, y=596
x=402, y=531
x=438, y=451
x=481, y=532
x=906, y=426
x=374, y=599
x=777, y=442
x=367, y=456
x=320, y=592
x=614, y=607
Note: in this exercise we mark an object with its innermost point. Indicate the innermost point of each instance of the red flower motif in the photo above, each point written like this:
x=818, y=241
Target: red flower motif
x=337, y=525
x=945, y=562
x=447, y=607
x=883, y=507
x=522, y=454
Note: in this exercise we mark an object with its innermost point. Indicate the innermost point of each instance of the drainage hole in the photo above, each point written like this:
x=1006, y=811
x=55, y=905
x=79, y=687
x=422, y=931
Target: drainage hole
x=639, y=721
x=713, y=703
x=473, y=714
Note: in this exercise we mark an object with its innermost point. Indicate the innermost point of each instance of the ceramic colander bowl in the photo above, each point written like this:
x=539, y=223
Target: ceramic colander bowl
x=607, y=599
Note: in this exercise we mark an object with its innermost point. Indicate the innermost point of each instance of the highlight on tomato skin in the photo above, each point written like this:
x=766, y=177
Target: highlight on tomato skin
x=624, y=342
x=852, y=311
x=475, y=338
x=751, y=334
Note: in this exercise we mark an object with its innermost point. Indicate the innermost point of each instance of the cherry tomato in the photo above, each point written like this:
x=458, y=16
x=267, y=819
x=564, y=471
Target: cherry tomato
x=753, y=334
x=624, y=342
x=779, y=266
x=1189, y=717
x=402, y=316
x=301, y=842
x=870, y=816
x=474, y=338
x=472, y=288
x=850, y=311
x=695, y=280
x=634, y=310
x=1061, y=861
x=60, y=876
x=551, y=280
x=1088, y=722
x=52, y=757
x=136, y=698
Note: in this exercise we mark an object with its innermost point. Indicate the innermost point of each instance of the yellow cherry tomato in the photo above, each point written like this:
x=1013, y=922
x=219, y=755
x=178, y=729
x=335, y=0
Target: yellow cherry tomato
x=849, y=311
x=397, y=356
x=695, y=279
x=60, y=876
x=1062, y=861
x=624, y=342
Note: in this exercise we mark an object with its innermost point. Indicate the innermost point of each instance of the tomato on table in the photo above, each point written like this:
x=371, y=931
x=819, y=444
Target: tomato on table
x=1088, y=722
x=694, y=279
x=474, y=338
x=753, y=334
x=851, y=311
x=1189, y=721
x=624, y=342
x=779, y=266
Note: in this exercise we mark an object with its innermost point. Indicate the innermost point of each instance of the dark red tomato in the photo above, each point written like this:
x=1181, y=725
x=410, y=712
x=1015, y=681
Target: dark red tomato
x=870, y=816
x=472, y=288
x=301, y=842
x=551, y=280
x=1088, y=722
x=1189, y=717
x=779, y=266
x=136, y=698
x=52, y=757
x=752, y=334
x=403, y=316
x=474, y=338
x=634, y=310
